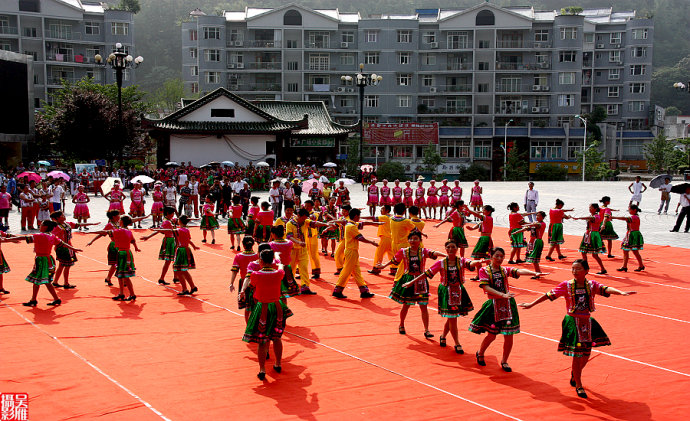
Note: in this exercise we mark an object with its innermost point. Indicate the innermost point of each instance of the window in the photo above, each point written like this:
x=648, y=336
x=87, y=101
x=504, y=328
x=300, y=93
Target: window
x=5, y=46
x=371, y=58
x=541, y=58
x=348, y=37
x=458, y=39
x=636, y=106
x=638, y=70
x=428, y=80
x=96, y=75
x=92, y=51
x=371, y=101
x=193, y=37
x=563, y=120
x=346, y=102
x=375, y=151
x=482, y=149
x=429, y=59
x=30, y=6
x=292, y=18
x=29, y=32
x=371, y=36
x=405, y=36
x=293, y=87
x=567, y=100
x=33, y=54
x=567, y=56
x=614, y=74
x=400, y=152
x=566, y=78
x=483, y=87
x=222, y=112
x=212, y=77
x=574, y=147
x=292, y=65
x=211, y=32
x=541, y=80
x=614, y=91
x=545, y=150
x=194, y=71
x=639, y=33
x=92, y=28
x=637, y=88
x=615, y=56
x=119, y=28
x=319, y=61
x=569, y=32
x=483, y=65
x=615, y=37
x=193, y=53
x=541, y=35
x=454, y=148
x=319, y=39
x=237, y=58
x=612, y=109
x=404, y=79
x=429, y=37
x=212, y=55
x=639, y=52
x=589, y=37
x=633, y=149
x=429, y=101
x=403, y=101
x=347, y=59
x=485, y=18
x=291, y=43
x=235, y=35
x=194, y=88
x=637, y=124
x=404, y=58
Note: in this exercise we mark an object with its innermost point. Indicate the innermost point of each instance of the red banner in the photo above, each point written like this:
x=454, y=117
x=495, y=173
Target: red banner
x=400, y=133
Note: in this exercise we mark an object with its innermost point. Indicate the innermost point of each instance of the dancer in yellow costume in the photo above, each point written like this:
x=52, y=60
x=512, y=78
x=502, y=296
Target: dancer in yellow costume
x=283, y=220
x=385, y=241
x=340, y=250
x=297, y=232
x=351, y=266
x=312, y=240
x=400, y=228
x=418, y=223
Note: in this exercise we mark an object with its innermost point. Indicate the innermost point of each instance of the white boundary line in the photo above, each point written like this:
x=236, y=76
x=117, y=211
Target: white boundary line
x=90, y=364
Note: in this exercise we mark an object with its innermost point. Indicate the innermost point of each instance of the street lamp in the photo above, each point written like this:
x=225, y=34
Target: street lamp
x=361, y=81
x=504, y=146
x=682, y=86
x=119, y=61
x=584, y=145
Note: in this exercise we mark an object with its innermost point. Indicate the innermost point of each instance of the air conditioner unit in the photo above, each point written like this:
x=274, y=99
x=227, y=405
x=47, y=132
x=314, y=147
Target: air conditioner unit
x=545, y=110
x=432, y=89
x=344, y=44
x=545, y=88
x=234, y=87
x=350, y=89
x=535, y=109
x=341, y=89
x=240, y=65
x=600, y=46
x=238, y=43
x=433, y=44
x=231, y=65
x=536, y=88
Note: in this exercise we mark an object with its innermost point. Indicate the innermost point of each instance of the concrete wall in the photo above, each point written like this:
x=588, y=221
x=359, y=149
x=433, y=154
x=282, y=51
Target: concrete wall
x=202, y=150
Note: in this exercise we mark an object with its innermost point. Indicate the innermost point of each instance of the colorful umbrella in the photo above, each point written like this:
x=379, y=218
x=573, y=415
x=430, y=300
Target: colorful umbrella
x=58, y=174
x=346, y=181
x=32, y=176
x=309, y=184
x=45, y=163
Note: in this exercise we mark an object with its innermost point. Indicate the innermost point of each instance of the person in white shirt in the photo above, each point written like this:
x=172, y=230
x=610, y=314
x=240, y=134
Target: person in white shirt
x=531, y=200
x=684, y=203
x=57, y=193
x=170, y=195
x=237, y=186
x=194, y=195
x=665, y=190
x=181, y=180
x=275, y=199
x=636, y=188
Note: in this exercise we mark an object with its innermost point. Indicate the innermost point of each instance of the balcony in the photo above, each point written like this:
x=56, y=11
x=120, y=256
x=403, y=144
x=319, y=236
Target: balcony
x=510, y=87
x=513, y=43
x=459, y=66
x=253, y=87
x=512, y=110
x=63, y=35
x=69, y=58
x=318, y=44
x=261, y=43
x=522, y=66
x=444, y=110
x=264, y=65
x=8, y=30
x=57, y=80
x=462, y=87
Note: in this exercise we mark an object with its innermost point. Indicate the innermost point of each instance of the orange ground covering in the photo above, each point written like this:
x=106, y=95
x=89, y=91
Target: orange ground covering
x=182, y=358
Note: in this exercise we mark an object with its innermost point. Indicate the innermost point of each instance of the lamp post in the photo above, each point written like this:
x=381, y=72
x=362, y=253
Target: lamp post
x=682, y=86
x=584, y=145
x=362, y=80
x=119, y=61
x=504, y=146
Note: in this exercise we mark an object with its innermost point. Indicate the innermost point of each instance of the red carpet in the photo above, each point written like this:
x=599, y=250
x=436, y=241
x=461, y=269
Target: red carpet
x=182, y=358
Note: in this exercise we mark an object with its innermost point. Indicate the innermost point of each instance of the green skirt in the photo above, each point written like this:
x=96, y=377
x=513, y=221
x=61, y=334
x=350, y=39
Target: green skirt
x=209, y=223
x=452, y=311
x=484, y=320
x=607, y=233
x=534, y=253
x=112, y=253
x=481, y=249
x=517, y=240
x=236, y=226
x=457, y=234
x=125, y=264
x=4, y=267
x=633, y=241
x=266, y=323
x=167, y=251
x=263, y=233
x=556, y=234
x=250, y=227
x=184, y=260
x=289, y=286
x=332, y=234
x=65, y=256
x=594, y=245
x=246, y=300
x=407, y=295
x=570, y=344
x=42, y=273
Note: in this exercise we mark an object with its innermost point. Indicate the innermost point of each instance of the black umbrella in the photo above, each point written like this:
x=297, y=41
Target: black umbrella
x=660, y=180
x=680, y=188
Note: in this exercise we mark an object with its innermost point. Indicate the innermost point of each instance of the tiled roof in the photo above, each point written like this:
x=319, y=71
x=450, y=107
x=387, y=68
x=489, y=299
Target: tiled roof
x=222, y=127
x=320, y=122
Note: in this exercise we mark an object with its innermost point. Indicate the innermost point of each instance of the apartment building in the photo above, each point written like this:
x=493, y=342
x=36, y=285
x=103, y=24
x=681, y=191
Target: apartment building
x=472, y=71
x=63, y=36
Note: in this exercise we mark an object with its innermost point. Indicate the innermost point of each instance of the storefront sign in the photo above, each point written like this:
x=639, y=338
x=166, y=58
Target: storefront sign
x=313, y=142
x=400, y=133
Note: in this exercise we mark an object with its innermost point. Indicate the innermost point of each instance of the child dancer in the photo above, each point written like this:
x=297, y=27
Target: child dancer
x=44, y=264
x=251, y=216
x=486, y=227
x=476, y=198
x=412, y=261
x=456, y=191
x=453, y=300
x=397, y=193
x=116, y=197
x=283, y=220
x=607, y=232
x=81, y=209
x=591, y=241
x=444, y=199
x=556, y=217
x=209, y=221
x=385, y=194
x=432, y=199
x=385, y=240
x=125, y=261
x=245, y=296
x=633, y=240
x=136, y=207
x=351, y=265
x=184, y=259
x=536, y=244
x=235, y=224
x=457, y=233
x=407, y=195
x=283, y=249
x=419, y=200
x=498, y=314
x=44, y=209
x=239, y=265
x=339, y=254
x=267, y=320
x=157, y=206
x=579, y=332
x=65, y=256
x=373, y=198
x=167, y=250
x=264, y=222
x=517, y=240
x=113, y=222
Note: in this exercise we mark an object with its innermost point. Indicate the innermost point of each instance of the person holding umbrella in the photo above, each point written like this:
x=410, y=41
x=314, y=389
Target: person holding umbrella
x=665, y=190
x=683, y=203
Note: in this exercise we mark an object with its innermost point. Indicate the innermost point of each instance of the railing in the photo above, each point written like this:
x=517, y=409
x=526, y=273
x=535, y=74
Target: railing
x=265, y=65
x=459, y=66
x=70, y=58
x=63, y=35
x=509, y=87
x=467, y=87
x=8, y=30
x=512, y=110
x=269, y=87
x=54, y=80
x=522, y=66
x=445, y=110
x=518, y=43
x=257, y=43
x=459, y=45
x=318, y=44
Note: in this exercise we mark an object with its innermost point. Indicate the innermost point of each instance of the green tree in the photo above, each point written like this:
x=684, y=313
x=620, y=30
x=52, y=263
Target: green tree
x=351, y=163
x=390, y=170
x=659, y=153
x=596, y=168
x=598, y=115
x=672, y=111
x=571, y=10
x=129, y=5
x=550, y=172
x=168, y=95
x=517, y=166
x=432, y=159
x=474, y=172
